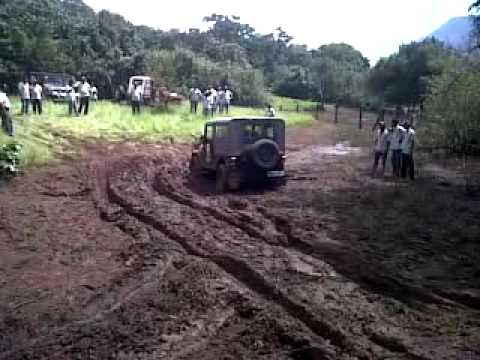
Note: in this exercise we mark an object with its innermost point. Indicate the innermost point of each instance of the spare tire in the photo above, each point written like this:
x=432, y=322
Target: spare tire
x=265, y=154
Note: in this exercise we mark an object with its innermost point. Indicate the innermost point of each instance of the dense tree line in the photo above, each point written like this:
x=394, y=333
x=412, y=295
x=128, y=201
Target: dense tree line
x=67, y=36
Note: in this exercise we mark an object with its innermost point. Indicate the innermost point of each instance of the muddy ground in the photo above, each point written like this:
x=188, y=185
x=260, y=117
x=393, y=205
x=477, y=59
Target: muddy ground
x=120, y=255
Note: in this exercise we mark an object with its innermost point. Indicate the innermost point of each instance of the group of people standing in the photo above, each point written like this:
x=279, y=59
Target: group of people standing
x=79, y=95
x=213, y=100
x=30, y=93
x=399, y=141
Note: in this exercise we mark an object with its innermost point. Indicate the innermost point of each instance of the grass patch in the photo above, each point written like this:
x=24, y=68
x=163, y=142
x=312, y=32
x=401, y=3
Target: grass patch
x=46, y=137
x=291, y=103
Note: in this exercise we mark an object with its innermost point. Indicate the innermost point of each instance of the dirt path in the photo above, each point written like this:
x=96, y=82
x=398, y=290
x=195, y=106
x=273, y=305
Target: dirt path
x=122, y=256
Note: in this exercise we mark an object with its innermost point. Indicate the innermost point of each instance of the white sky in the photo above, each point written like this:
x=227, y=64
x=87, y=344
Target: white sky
x=375, y=27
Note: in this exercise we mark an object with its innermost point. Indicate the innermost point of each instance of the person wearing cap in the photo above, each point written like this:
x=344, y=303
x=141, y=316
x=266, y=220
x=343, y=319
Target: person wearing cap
x=408, y=145
x=84, y=96
x=397, y=134
x=5, y=106
x=380, y=144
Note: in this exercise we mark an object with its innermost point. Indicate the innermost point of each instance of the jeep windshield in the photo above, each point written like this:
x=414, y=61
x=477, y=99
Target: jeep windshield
x=254, y=132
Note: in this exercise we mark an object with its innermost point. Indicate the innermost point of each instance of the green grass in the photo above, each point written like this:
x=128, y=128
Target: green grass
x=46, y=137
x=291, y=103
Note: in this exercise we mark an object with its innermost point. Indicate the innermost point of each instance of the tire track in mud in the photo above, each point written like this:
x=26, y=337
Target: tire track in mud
x=376, y=280
x=123, y=296
x=238, y=268
x=285, y=239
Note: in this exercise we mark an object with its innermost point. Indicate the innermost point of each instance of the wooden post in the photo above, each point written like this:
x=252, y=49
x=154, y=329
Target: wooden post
x=360, y=117
x=336, y=113
x=298, y=108
x=317, y=111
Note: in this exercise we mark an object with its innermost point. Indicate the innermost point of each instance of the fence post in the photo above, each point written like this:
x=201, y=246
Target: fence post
x=317, y=111
x=360, y=117
x=336, y=113
x=298, y=108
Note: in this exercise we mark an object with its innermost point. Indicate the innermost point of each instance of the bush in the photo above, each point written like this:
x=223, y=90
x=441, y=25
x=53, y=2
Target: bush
x=452, y=110
x=9, y=159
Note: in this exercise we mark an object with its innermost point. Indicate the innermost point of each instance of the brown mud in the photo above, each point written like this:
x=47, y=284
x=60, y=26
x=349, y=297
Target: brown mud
x=121, y=255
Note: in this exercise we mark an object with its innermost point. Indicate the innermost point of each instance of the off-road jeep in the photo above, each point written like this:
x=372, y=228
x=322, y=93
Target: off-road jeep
x=240, y=150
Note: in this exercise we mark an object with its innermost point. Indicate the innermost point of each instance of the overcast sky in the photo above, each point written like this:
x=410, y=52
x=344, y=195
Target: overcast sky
x=375, y=27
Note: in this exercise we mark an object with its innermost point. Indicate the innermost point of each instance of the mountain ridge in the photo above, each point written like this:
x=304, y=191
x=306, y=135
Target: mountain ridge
x=455, y=32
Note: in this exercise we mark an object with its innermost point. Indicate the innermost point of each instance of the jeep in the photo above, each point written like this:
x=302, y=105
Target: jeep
x=240, y=150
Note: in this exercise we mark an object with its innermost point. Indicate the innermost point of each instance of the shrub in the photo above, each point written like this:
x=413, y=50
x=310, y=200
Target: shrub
x=9, y=159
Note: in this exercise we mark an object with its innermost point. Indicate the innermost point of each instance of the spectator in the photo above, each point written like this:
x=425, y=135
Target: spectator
x=84, y=96
x=195, y=97
x=72, y=97
x=137, y=95
x=408, y=146
x=5, y=88
x=94, y=92
x=213, y=102
x=221, y=100
x=206, y=109
x=24, y=90
x=270, y=111
x=5, y=106
x=37, y=98
x=228, y=99
x=396, y=137
x=380, y=147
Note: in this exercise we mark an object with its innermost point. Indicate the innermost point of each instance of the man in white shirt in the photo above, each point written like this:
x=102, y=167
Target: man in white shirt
x=408, y=145
x=213, y=102
x=228, y=99
x=137, y=95
x=380, y=144
x=24, y=90
x=211, y=99
x=270, y=111
x=5, y=106
x=221, y=100
x=397, y=134
x=84, y=96
x=195, y=97
x=206, y=108
x=37, y=98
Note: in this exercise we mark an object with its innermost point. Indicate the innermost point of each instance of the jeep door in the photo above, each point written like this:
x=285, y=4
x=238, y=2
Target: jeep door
x=221, y=144
x=206, y=152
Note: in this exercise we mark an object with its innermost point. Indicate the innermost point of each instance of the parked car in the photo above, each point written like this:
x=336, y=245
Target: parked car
x=54, y=84
x=241, y=150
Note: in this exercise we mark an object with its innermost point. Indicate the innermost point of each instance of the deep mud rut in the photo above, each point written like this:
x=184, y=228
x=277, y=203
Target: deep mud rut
x=123, y=256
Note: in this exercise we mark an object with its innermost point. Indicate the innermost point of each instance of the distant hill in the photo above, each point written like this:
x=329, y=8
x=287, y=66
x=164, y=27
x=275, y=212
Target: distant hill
x=455, y=32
